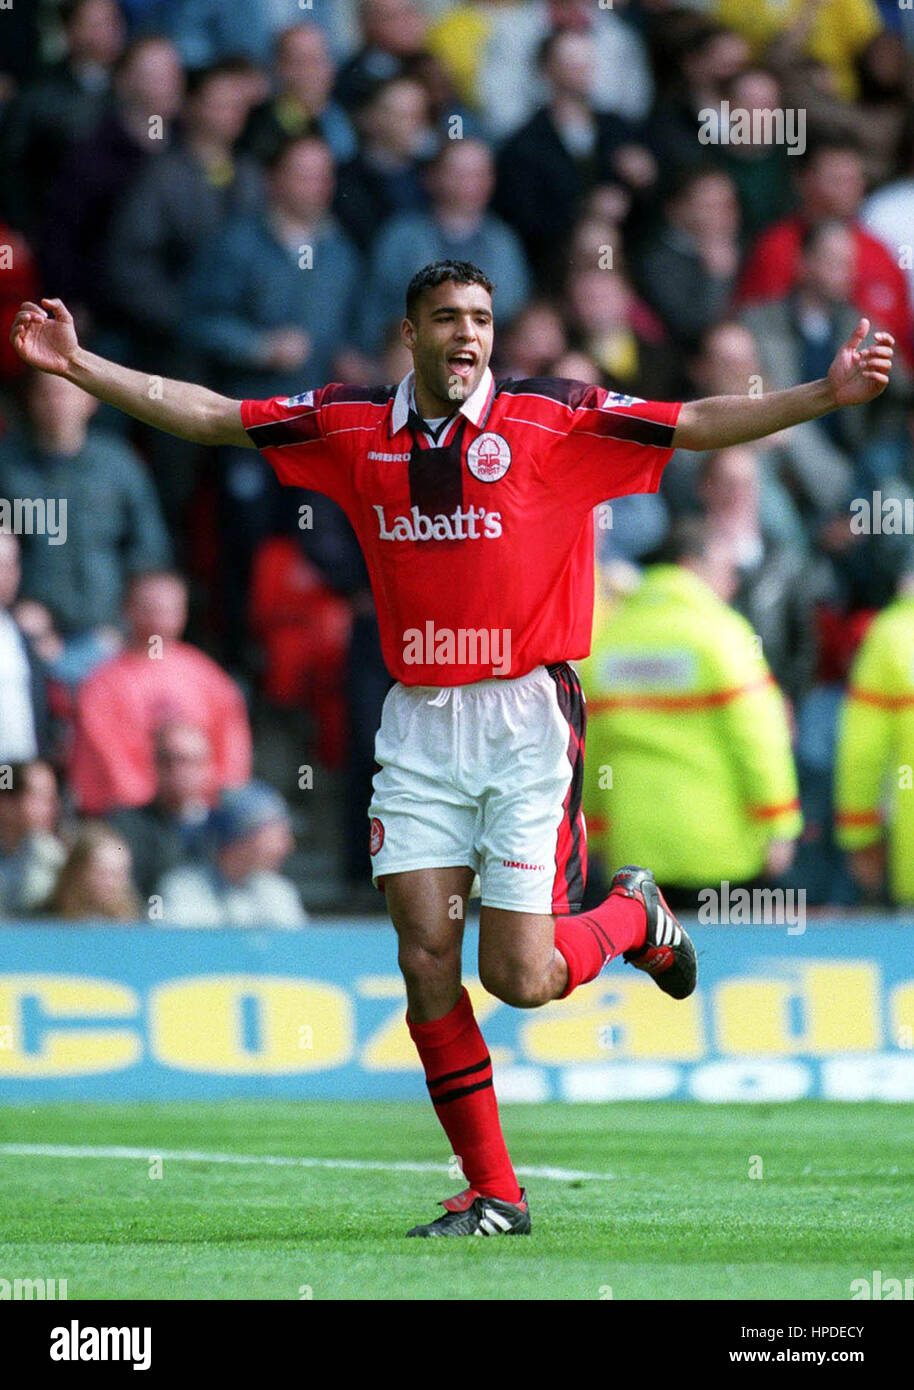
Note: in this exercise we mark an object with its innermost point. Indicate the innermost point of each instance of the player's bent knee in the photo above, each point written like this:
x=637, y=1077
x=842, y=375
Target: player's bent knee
x=516, y=985
x=427, y=965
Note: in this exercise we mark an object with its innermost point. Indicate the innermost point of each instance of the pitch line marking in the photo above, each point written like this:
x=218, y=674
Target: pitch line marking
x=114, y=1151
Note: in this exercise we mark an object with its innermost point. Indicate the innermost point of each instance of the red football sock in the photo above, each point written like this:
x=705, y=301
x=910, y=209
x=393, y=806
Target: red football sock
x=458, y=1073
x=589, y=939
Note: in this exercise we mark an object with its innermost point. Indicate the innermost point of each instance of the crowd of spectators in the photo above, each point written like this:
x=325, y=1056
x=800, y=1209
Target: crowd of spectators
x=237, y=195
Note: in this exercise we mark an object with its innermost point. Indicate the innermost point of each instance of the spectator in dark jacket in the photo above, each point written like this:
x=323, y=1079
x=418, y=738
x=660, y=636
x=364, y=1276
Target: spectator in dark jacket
x=302, y=103
x=393, y=33
x=179, y=201
x=687, y=270
x=385, y=177
x=177, y=826
x=58, y=109
x=777, y=582
x=177, y=204
x=148, y=89
x=567, y=148
x=708, y=58
x=271, y=297
x=803, y=481
x=458, y=227
x=101, y=519
x=271, y=302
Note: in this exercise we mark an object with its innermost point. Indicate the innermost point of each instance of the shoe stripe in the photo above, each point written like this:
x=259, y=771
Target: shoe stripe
x=498, y=1218
x=668, y=932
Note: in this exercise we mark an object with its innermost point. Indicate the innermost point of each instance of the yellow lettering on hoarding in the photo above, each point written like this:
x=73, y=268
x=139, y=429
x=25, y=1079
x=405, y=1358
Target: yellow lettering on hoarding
x=607, y=1021
x=67, y=1050
x=817, y=1009
x=901, y=1015
x=198, y=1024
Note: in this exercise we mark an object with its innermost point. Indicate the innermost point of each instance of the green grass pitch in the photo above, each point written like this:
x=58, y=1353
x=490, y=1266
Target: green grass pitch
x=676, y=1215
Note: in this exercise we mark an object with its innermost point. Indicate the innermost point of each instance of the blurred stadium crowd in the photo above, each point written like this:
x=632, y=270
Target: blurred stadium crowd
x=237, y=195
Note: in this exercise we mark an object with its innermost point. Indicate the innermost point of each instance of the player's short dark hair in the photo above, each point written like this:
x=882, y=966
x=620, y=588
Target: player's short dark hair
x=443, y=273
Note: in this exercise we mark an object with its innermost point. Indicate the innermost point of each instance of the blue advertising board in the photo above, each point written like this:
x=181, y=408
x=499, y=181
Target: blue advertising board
x=121, y=1013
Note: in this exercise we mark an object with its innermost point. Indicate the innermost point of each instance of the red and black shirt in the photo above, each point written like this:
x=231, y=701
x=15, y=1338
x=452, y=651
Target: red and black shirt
x=489, y=529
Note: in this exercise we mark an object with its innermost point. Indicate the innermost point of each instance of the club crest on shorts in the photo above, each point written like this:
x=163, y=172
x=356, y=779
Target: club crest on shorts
x=489, y=457
x=376, y=836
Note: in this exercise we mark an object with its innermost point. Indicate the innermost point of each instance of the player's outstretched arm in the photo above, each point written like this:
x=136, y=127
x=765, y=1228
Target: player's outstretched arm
x=856, y=376
x=44, y=337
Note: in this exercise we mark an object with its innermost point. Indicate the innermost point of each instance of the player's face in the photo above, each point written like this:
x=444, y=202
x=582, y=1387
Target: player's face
x=451, y=340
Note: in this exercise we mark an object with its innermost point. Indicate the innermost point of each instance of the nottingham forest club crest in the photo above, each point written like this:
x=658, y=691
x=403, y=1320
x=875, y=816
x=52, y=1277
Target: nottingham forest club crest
x=489, y=457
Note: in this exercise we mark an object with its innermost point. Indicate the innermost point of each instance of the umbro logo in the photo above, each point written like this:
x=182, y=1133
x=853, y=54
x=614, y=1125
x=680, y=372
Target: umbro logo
x=381, y=457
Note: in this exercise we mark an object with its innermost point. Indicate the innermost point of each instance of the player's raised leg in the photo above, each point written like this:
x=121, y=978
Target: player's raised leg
x=527, y=959
x=534, y=945
x=428, y=909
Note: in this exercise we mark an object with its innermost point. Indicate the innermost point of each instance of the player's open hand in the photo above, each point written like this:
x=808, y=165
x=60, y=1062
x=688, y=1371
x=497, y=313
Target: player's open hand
x=859, y=374
x=43, y=341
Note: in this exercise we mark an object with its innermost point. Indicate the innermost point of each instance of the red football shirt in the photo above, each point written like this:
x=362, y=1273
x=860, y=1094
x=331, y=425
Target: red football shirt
x=480, y=546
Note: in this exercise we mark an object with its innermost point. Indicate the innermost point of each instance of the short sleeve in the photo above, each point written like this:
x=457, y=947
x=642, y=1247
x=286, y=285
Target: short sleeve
x=289, y=431
x=613, y=445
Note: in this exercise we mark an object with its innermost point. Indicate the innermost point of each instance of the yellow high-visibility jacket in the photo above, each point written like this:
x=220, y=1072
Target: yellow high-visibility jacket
x=689, y=768
x=874, y=766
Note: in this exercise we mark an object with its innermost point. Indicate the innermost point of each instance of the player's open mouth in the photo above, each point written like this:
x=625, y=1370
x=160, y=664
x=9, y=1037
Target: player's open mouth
x=461, y=364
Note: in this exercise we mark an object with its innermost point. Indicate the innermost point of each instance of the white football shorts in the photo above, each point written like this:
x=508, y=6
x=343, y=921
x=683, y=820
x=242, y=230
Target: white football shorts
x=489, y=776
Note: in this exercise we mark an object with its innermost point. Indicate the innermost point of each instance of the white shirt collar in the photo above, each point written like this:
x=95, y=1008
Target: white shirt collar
x=473, y=407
